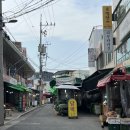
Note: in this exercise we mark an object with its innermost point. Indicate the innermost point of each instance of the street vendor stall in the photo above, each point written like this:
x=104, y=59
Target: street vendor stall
x=115, y=89
x=65, y=93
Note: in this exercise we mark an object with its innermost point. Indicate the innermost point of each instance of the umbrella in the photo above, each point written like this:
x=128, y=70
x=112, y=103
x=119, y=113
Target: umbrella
x=67, y=87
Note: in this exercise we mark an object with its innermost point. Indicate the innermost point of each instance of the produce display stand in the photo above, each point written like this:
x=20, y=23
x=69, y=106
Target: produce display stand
x=113, y=123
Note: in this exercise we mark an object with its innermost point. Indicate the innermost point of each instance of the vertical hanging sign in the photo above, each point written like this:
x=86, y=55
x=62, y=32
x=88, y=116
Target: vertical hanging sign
x=107, y=29
x=91, y=57
x=107, y=17
x=108, y=40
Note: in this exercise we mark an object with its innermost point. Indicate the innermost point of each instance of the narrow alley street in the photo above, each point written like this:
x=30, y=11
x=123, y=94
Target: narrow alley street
x=45, y=118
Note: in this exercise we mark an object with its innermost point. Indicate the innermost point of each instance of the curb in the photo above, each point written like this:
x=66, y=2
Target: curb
x=23, y=114
x=26, y=112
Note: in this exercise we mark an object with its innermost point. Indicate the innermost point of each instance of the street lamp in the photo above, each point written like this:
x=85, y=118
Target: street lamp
x=13, y=21
x=10, y=21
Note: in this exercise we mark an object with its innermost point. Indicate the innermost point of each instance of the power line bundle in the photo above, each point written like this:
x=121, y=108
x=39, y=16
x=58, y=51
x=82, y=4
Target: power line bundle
x=26, y=8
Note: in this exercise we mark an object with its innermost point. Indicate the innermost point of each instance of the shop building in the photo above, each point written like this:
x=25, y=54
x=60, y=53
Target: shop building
x=114, y=86
x=74, y=77
x=98, y=59
x=16, y=71
x=121, y=31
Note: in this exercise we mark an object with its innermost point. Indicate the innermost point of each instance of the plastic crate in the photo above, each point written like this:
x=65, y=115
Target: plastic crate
x=113, y=126
x=125, y=127
x=125, y=124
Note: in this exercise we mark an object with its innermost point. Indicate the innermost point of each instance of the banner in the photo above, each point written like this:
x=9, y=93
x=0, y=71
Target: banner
x=91, y=54
x=107, y=29
x=91, y=64
x=91, y=57
x=108, y=40
x=107, y=17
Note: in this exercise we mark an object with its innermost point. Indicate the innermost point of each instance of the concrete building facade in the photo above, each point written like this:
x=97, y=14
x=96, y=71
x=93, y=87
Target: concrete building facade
x=121, y=31
x=102, y=60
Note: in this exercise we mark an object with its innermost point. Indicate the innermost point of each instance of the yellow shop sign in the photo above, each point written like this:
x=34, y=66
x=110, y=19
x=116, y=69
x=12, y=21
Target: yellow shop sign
x=107, y=17
x=72, y=108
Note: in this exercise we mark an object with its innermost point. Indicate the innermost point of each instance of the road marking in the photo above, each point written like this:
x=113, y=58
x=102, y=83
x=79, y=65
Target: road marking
x=29, y=123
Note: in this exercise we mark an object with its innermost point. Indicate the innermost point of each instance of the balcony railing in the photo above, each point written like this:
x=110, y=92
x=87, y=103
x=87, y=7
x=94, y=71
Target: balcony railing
x=123, y=58
x=9, y=79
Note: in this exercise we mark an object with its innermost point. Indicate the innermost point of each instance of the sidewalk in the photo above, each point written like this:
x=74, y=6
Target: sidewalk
x=16, y=114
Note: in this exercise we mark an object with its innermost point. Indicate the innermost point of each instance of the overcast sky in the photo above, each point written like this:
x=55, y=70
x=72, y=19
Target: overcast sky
x=68, y=40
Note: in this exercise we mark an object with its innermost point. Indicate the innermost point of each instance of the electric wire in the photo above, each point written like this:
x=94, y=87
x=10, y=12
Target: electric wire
x=70, y=56
x=28, y=25
x=15, y=41
x=77, y=58
x=33, y=62
x=17, y=7
x=25, y=7
x=54, y=60
x=31, y=9
x=9, y=33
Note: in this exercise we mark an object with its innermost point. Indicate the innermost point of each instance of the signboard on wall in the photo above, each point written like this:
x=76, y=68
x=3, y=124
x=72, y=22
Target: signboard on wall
x=29, y=83
x=107, y=29
x=91, y=64
x=91, y=57
x=108, y=40
x=91, y=54
x=107, y=17
x=62, y=80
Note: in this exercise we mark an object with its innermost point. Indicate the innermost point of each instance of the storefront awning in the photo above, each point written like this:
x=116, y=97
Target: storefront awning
x=20, y=88
x=104, y=81
x=90, y=83
x=121, y=73
x=24, y=88
x=94, y=91
x=16, y=88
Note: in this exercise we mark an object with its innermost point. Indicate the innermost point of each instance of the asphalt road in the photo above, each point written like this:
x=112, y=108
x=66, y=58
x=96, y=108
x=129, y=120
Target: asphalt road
x=45, y=118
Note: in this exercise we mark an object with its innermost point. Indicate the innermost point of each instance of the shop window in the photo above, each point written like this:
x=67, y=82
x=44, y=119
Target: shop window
x=109, y=57
x=128, y=44
x=123, y=52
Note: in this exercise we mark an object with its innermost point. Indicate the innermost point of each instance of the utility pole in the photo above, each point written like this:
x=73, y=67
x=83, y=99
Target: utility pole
x=40, y=60
x=42, y=53
x=1, y=69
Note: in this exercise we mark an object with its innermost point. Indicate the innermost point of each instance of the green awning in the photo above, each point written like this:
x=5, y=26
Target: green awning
x=16, y=88
x=24, y=88
x=21, y=88
x=28, y=90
